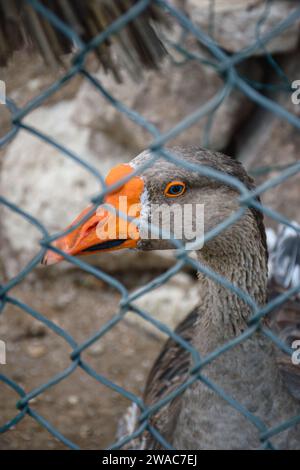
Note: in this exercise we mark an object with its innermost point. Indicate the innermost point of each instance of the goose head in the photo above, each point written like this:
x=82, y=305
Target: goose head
x=178, y=201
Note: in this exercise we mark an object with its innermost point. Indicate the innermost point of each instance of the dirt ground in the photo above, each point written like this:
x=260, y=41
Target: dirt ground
x=82, y=409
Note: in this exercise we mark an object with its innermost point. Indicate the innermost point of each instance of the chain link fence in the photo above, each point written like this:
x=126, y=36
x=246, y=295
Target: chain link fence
x=226, y=66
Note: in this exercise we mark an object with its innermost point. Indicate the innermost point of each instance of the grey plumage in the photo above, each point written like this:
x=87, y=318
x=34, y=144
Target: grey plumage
x=199, y=418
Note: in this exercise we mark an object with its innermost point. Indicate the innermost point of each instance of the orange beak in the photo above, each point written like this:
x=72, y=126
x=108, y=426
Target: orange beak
x=105, y=230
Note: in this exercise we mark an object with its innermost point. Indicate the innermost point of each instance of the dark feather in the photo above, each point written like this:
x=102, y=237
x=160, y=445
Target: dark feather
x=138, y=42
x=170, y=370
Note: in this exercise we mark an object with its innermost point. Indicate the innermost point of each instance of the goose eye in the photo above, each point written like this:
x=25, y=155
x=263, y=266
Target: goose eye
x=175, y=189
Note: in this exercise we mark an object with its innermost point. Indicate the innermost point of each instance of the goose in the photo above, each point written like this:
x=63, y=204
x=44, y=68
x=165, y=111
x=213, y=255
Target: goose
x=199, y=418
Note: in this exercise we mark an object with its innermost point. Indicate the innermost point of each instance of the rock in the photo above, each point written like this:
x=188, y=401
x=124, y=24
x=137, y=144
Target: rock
x=164, y=99
x=64, y=299
x=168, y=304
x=40, y=180
x=73, y=400
x=233, y=25
x=36, y=329
x=36, y=350
x=96, y=349
x=85, y=431
x=25, y=77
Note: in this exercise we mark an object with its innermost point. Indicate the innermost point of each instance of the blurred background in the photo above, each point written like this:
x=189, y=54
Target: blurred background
x=38, y=178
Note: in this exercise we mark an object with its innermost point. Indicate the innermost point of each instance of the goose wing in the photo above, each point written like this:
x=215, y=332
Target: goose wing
x=169, y=371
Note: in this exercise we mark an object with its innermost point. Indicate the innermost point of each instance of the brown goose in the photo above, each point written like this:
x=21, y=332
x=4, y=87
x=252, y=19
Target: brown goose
x=199, y=418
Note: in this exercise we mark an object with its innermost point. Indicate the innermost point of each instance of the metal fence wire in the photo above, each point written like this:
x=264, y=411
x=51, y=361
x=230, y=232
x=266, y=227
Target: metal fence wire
x=226, y=66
